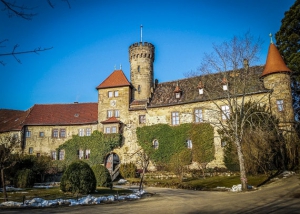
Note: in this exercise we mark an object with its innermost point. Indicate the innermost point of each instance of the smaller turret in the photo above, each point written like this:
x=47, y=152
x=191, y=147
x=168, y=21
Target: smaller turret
x=276, y=77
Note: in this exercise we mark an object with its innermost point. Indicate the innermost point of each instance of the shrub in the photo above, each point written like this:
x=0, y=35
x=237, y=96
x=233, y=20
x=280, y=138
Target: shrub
x=128, y=170
x=78, y=178
x=24, y=178
x=102, y=176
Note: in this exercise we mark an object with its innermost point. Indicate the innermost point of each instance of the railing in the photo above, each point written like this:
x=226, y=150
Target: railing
x=115, y=173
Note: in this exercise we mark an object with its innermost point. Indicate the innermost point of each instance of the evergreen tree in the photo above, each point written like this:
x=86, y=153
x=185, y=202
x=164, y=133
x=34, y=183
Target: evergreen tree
x=288, y=43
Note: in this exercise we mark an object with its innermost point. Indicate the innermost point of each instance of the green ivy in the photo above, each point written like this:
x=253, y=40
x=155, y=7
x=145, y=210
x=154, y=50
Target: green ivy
x=98, y=143
x=172, y=140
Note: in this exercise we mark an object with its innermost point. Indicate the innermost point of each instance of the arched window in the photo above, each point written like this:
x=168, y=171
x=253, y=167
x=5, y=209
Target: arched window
x=189, y=144
x=155, y=144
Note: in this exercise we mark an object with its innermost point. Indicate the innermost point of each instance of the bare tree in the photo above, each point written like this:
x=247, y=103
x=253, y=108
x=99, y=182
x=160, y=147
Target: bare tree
x=227, y=83
x=24, y=12
x=8, y=146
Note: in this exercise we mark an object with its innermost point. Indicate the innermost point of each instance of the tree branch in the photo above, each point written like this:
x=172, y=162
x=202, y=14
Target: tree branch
x=17, y=10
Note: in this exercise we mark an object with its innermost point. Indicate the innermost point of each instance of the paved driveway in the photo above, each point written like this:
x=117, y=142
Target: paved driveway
x=282, y=196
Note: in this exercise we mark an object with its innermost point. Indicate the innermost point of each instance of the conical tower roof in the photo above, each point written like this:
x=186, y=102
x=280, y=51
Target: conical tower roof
x=274, y=63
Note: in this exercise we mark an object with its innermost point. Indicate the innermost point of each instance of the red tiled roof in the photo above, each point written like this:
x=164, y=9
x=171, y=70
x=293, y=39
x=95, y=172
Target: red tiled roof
x=63, y=114
x=11, y=120
x=274, y=63
x=116, y=79
x=111, y=120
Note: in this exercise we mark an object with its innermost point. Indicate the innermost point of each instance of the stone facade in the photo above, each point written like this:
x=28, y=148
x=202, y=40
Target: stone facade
x=124, y=105
x=43, y=140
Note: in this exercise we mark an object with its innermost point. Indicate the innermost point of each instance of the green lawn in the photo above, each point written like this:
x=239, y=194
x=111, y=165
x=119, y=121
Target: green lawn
x=209, y=183
x=55, y=193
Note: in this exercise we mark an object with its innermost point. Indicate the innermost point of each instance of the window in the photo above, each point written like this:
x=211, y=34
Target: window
x=87, y=154
x=225, y=112
x=155, y=144
x=198, y=116
x=30, y=150
x=107, y=130
x=55, y=133
x=80, y=154
x=41, y=134
x=116, y=93
x=113, y=129
x=15, y=137
x=117, y=113
x=189, y=144
x=175, y=118
x=139, y=89
x=53, y=155
x=61, y=155
x=223, y=143
x=177, y=95
x=88, y=132
x=110, y=94
x=38, y=155
x=81, y=132
x=109, y=113
x=279, y=105
x=28, y=133
x=138, y=68
x=142, y=119
x=62, y=133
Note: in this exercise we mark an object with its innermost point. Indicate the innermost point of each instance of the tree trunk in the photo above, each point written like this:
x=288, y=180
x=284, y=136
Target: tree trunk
x=3, y=184
x=243, y=176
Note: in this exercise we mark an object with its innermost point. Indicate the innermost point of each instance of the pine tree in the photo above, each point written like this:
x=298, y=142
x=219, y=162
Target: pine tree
x=288, y=43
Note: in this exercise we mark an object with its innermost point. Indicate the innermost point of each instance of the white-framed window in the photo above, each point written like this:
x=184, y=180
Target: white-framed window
x=142, y=119
x=88, y=132
x=61, y=155
x=107, y=130
x=53, y=155
x=28, y=133
x=114, y=129
x=62, y=133
x=279, y=104
x=81, y=132
x=189, y=144
x=175, y=118
x=198, y=115
x=110, y=94
x=155, y=144
x=30, y=150
x=109, y=113
x=177, y=95
x=117, y=113
x=87, y=154
x=41, y=134
x=116, y=93
x=55, y=133
x=80, y=154
x=225, y=112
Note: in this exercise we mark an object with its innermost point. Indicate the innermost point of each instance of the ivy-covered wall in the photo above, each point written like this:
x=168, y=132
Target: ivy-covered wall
x=173, y=139
x=98, y=143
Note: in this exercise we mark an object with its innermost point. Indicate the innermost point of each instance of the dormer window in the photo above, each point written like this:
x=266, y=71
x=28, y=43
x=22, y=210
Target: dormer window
x=225, y=84
x=200, y=87
x=177, y=92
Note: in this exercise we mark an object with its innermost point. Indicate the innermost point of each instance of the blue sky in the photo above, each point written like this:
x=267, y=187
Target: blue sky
x=92, y=37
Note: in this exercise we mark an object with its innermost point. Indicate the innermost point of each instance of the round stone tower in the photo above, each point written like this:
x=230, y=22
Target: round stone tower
x=141, y=58
x=276, y=77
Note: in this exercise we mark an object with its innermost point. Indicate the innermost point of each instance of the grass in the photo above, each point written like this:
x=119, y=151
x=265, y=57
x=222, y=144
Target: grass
x=55, y=193
x=209, y=183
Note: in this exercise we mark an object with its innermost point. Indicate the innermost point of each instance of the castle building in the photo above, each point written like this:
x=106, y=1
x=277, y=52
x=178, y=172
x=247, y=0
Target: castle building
x=124, y=105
